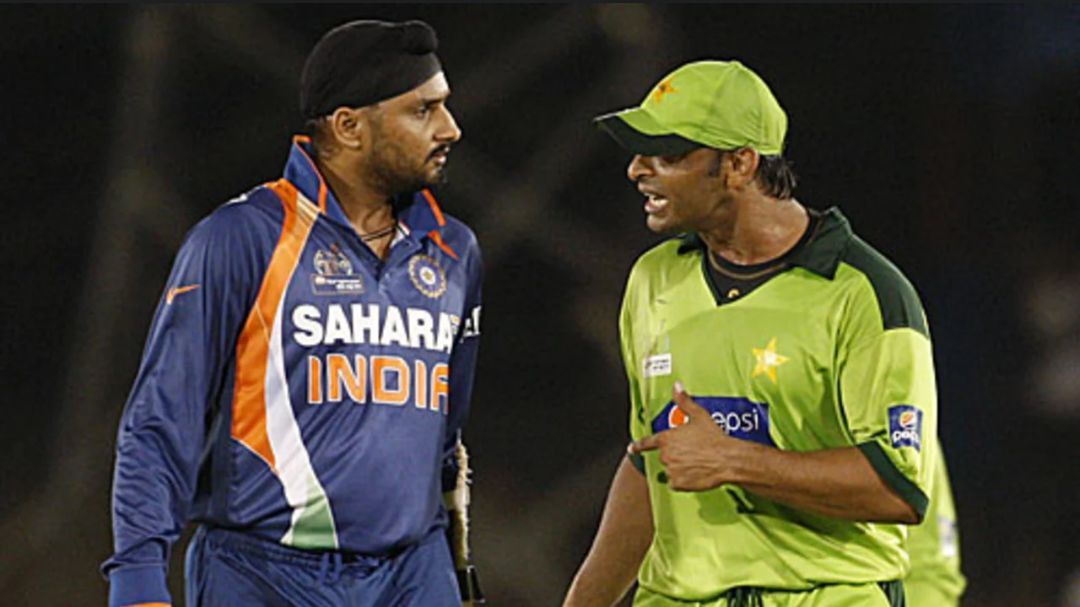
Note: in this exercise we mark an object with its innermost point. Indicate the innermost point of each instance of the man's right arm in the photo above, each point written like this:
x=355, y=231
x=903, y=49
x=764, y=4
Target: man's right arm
x=625, y=533
x=163, y=428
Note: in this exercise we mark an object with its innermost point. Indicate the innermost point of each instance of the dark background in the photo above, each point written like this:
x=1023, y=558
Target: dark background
x=948, y=135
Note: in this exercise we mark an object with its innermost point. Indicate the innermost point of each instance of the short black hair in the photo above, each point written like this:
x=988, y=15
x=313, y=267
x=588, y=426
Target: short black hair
x=774, y=173
x=315, y=128
x=776, y=176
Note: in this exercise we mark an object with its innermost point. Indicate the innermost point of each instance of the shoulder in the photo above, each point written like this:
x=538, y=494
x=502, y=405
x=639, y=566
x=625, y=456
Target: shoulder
x=662, y=252
x=875, y=277
x=251, y=214
x=664, y=262
x=460, y=237
x=240, y=233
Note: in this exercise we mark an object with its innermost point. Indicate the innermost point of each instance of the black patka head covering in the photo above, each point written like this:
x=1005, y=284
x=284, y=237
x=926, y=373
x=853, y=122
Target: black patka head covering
x=364, y=62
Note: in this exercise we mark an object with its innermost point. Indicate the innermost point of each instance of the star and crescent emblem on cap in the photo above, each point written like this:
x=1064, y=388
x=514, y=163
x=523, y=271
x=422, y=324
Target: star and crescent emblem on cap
x=767, y=361
x=664, y=88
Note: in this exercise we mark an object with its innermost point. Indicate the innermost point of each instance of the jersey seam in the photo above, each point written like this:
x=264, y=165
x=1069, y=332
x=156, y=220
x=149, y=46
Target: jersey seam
x=869, y=342
x=878, y=282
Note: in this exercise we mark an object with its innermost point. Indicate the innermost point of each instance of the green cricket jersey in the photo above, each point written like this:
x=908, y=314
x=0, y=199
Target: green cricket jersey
x=935, y=579
x=833, y=351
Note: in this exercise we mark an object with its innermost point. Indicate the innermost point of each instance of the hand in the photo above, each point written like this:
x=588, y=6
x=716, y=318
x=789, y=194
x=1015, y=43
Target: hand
x=694, y=454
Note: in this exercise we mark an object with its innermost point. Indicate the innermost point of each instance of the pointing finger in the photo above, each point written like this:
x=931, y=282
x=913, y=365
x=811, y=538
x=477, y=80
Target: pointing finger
x=648, y=443
x=688, y=405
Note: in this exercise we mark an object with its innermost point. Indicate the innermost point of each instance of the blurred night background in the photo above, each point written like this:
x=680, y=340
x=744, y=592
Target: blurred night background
x=950, y=137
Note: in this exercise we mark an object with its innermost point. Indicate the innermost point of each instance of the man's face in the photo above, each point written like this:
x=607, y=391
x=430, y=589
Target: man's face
x=682, y=193
x=411, y=135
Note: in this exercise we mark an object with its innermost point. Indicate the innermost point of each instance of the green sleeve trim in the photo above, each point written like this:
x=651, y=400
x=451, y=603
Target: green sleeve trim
x=896, y=298
x=907, y=490
x=638, y=461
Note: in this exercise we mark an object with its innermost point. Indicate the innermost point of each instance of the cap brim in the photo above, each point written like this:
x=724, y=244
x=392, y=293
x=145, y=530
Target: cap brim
x=637, y=131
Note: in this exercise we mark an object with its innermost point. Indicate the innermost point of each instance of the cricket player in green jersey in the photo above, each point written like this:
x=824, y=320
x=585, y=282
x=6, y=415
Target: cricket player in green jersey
x=782, y=391
x=935, y=579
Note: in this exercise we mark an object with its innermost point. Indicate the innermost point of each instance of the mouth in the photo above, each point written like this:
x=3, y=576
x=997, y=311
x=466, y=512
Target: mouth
x=654, y=202
x=440, y=154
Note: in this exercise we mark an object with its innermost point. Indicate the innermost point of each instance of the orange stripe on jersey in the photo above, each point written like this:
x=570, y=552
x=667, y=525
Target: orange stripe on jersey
x=148, y=605
x=298, y=139
x=253, y=346
x=436, y=237
x=434, y=206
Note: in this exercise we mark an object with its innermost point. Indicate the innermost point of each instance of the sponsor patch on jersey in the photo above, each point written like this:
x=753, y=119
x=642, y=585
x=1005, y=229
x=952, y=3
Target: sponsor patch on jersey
x=738, y=417
x=334, y=274
x=472, y=323
x=905, y=426
x=427, y=276
x=657, y=365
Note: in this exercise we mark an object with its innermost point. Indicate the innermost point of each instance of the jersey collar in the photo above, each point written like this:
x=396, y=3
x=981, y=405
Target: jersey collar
x=418, y=211
x=821, y=255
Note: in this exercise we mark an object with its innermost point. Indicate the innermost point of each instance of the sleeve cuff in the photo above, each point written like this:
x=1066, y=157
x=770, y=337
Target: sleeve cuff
x=638, y=461
x=902, y=485
x=140, y=586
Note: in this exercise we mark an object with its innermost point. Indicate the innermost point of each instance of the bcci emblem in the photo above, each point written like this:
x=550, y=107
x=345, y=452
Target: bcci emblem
x=332, y=262
x=427, y=276
x=334, y=273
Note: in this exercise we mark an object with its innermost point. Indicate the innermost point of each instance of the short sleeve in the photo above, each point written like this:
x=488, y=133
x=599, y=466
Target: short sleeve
x=888, y=394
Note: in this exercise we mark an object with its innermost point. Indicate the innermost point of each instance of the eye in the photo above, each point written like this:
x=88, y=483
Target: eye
x=672, y=158
x=423, y=111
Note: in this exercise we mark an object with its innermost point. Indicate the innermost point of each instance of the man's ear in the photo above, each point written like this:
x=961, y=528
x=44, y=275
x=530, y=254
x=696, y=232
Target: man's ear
x=349, y=129
x=742, y=167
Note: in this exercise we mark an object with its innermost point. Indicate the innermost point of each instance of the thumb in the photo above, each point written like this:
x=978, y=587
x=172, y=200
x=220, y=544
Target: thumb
x=688, y=405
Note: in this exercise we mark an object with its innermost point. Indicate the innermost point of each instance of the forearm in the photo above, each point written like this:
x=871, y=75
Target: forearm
x=625, y=532
x=154, y=481
x=144, y=529
x=838, y=483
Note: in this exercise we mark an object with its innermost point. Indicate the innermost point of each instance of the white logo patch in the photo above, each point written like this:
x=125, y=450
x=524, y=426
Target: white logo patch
x=658, y=365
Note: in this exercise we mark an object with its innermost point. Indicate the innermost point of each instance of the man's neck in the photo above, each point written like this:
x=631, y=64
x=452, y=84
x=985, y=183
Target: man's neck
x=756, y=229
x=368, y=209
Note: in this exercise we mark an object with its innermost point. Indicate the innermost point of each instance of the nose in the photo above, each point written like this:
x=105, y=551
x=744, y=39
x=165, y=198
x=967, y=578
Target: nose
x=638, y=168
x=448, y=131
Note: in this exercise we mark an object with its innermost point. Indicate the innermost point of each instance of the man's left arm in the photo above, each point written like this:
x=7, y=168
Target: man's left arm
x=456, y=473
x=887, y=391
x=839, y=483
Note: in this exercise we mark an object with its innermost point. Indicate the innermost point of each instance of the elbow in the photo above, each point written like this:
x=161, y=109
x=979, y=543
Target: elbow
x=896, y=510
x=909, y=516
x=895, y=517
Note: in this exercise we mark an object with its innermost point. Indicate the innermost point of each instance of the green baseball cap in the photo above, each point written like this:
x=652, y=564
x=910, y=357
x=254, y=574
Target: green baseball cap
x=717, y=104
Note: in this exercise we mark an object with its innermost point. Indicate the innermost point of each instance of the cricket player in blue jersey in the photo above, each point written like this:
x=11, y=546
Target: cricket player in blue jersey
x=310, y=364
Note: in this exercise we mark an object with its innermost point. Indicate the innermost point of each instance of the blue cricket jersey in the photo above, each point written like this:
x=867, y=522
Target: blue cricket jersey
x=295, y=386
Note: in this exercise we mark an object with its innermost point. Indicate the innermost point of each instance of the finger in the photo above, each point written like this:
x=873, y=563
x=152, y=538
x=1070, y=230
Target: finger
x=649, y=443
x=688, y=405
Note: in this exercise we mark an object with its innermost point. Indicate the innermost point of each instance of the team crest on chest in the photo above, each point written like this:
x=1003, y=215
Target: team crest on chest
x=334, y=273
x=427, y=276
x=767, y=361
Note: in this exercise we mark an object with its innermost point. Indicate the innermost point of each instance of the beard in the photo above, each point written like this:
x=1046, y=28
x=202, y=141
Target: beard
x=397, y=170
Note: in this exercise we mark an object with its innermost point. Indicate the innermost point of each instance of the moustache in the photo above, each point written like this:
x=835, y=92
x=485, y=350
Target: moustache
x=442, y=149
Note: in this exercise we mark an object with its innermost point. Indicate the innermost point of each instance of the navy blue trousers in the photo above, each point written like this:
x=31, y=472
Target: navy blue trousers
x=228, y=568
